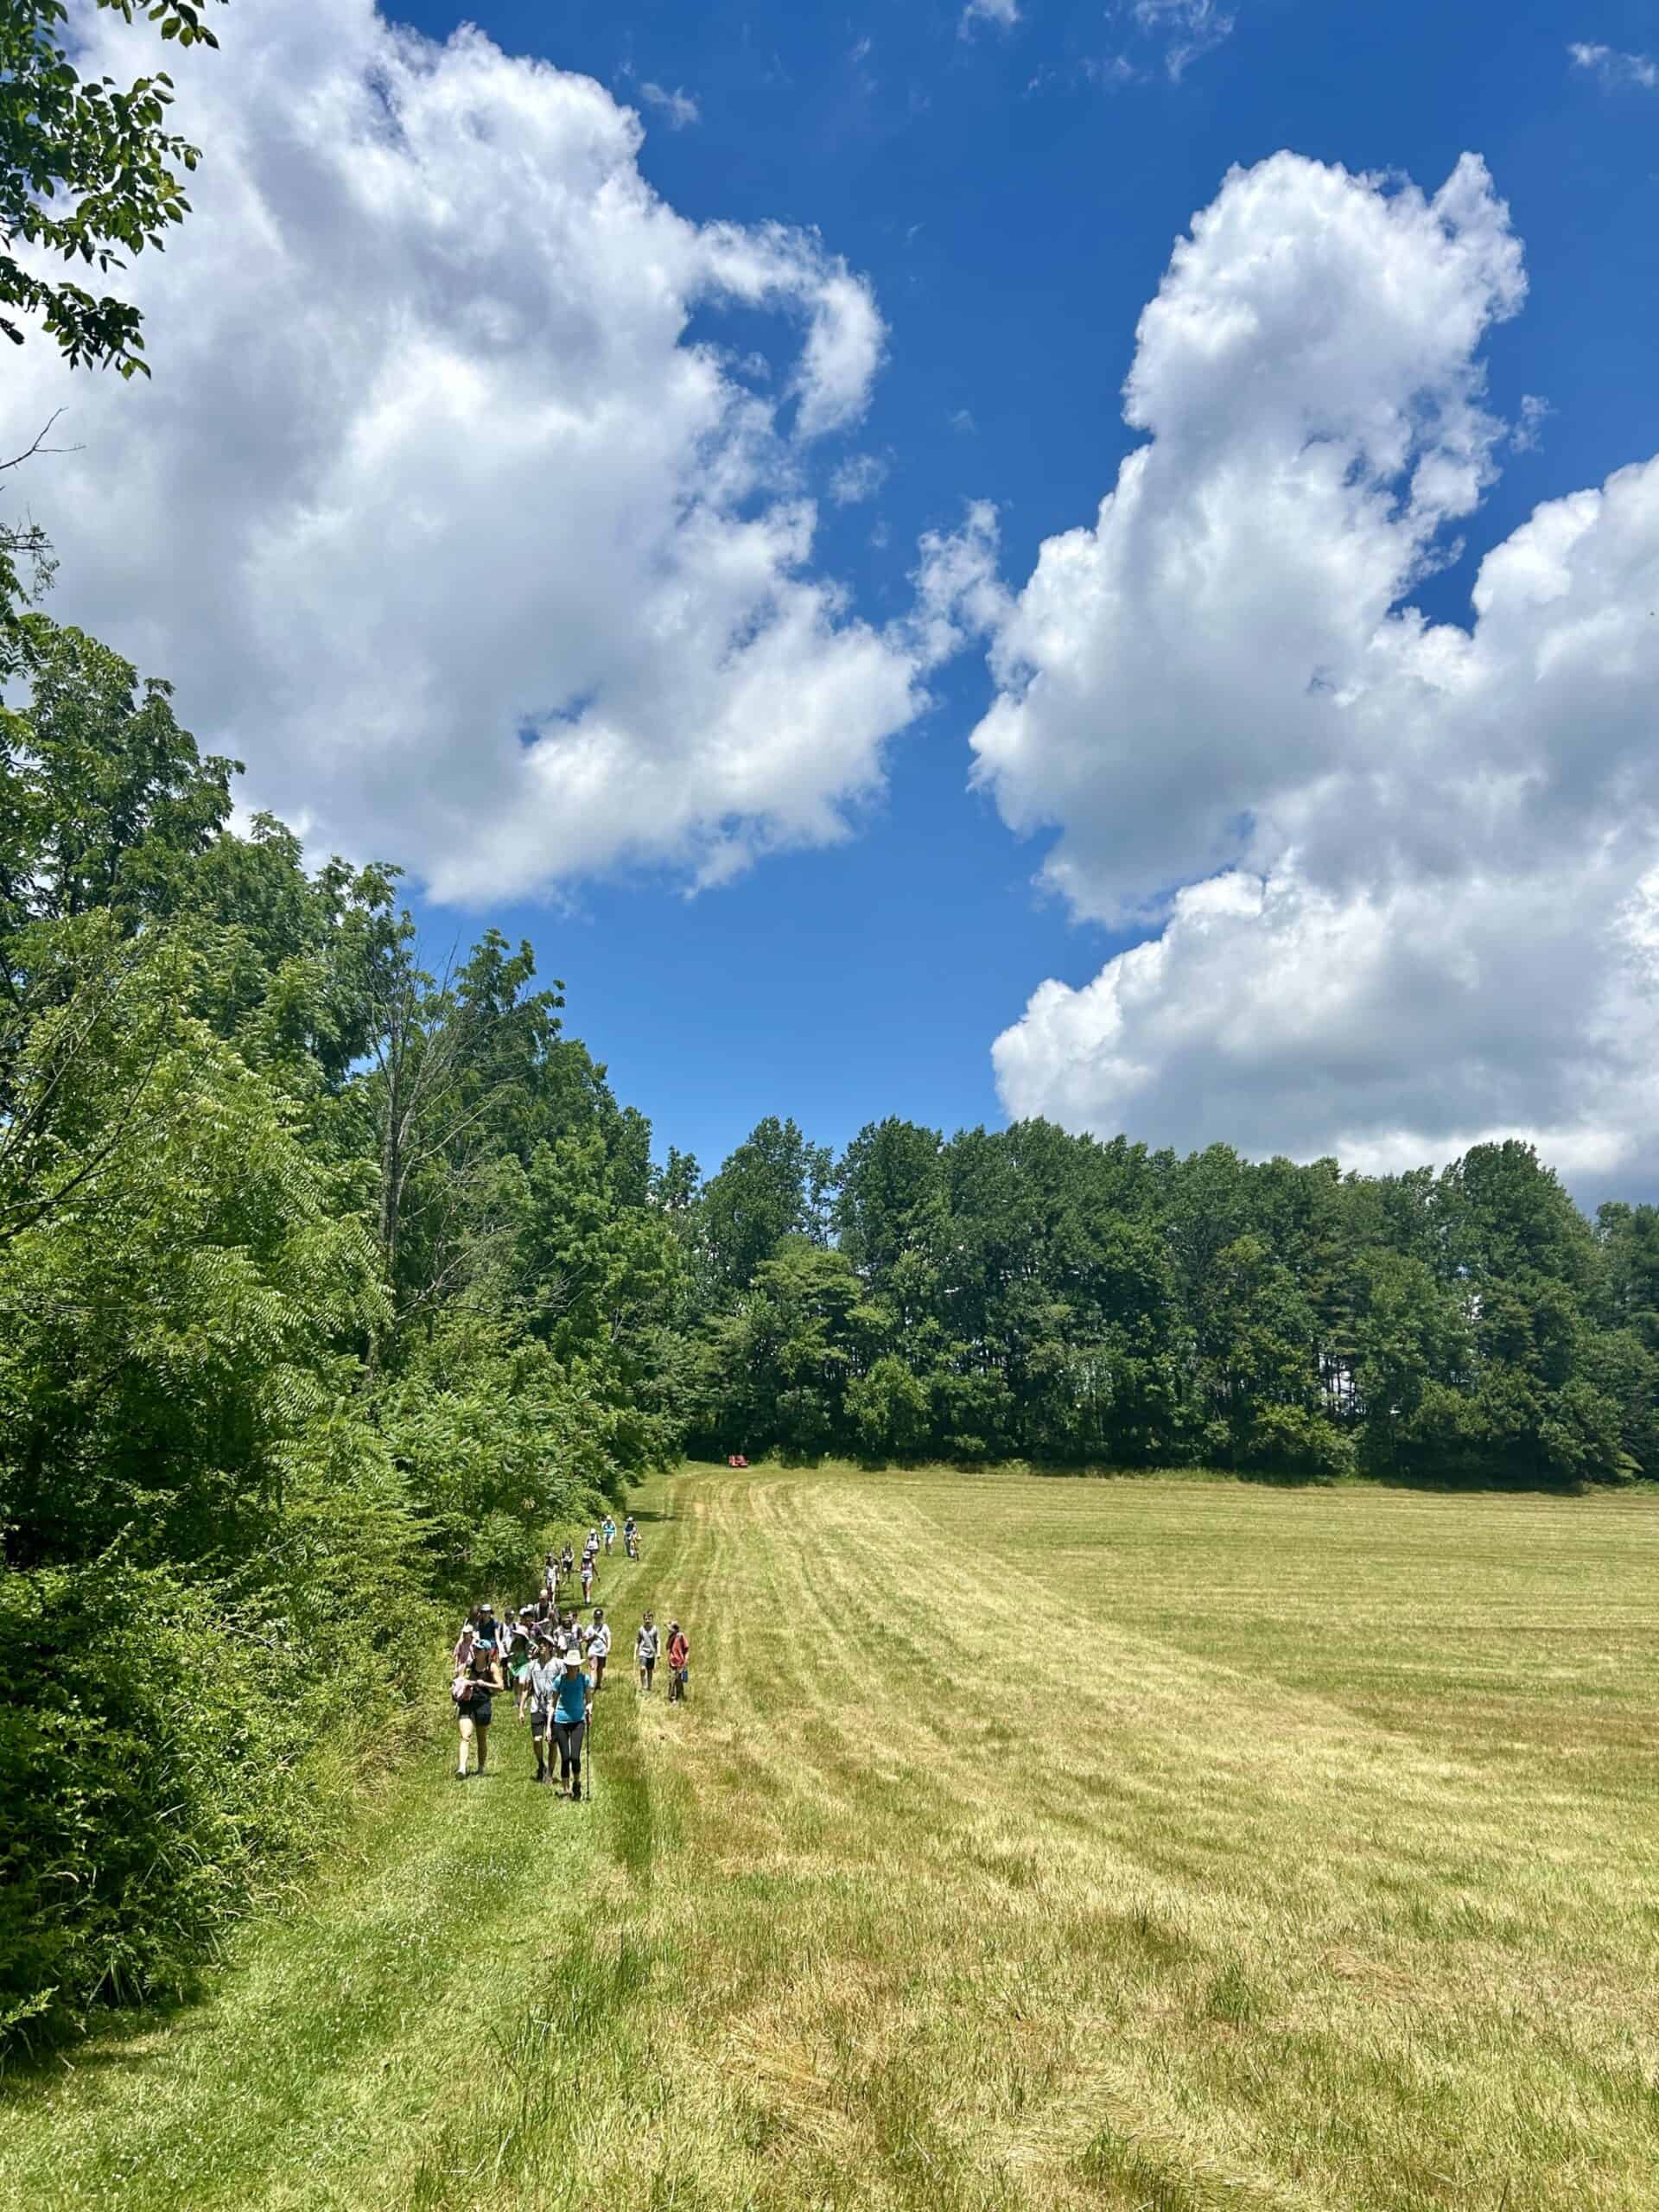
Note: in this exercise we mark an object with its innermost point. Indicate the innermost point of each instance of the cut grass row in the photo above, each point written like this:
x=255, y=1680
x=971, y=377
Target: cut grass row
x=1026, y=1843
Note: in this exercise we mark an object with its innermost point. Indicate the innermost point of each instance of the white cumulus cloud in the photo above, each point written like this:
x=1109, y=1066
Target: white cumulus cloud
x=439, y=509
x=1404, y=875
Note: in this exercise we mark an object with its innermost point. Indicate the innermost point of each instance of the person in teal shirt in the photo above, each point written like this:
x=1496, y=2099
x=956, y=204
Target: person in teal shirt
x=570, y=1721
x=610, y=1534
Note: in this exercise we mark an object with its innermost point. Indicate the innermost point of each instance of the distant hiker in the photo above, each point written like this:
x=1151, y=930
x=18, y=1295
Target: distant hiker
x=466, y=1639
x=570, y=1721
x=599, y=1646
x=587, y=1581
x=646, y=1649
x=471, y=1691
x=549, y=1576
x=630, y=1538
x=610, y=1534
x=679, y=1662
x=541, y=1691
x=519, y=1655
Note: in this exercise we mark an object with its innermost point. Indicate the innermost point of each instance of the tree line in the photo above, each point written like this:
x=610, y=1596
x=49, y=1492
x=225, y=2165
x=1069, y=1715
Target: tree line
x=1025, y=1294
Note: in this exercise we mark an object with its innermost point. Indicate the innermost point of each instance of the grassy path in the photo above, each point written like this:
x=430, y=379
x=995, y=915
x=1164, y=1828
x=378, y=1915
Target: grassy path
x=1027, y=1844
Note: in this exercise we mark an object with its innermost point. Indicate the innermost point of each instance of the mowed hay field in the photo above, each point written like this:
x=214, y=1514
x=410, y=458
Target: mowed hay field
x=1028, y=1842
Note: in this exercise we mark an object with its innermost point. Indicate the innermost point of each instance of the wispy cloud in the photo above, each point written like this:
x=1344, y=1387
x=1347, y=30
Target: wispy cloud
x=1528, y=432
x=1192, y=27
x=1617, y=71
x=861, y=477
x=1005, y=14
x=676, y=108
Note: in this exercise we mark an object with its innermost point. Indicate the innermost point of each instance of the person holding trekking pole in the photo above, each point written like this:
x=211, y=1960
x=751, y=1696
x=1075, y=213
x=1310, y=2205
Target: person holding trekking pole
x=570, y=1721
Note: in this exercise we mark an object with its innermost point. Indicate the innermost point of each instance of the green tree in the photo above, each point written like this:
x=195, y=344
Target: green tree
x=771, y=1187
x=91, y=174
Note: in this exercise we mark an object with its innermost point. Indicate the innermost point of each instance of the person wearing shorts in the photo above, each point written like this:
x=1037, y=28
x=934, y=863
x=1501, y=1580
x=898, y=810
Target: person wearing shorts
x=647, y=1646
x=599, y=1646
x=679, y=1662
x=609, y=1532
x=570, y=1721
x=540, y=1692
x=471, y=1690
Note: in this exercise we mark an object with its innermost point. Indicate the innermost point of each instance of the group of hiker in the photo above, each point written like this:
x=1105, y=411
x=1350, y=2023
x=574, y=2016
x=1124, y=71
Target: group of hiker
x=552, y=1664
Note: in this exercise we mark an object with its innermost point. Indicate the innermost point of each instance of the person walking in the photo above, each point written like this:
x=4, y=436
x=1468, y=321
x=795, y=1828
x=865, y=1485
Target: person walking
x=570, y=1721
x=588, y=1579
x=471, y=1691
x=679, y=1662
x=631, y=1538
x=647, y=1646
x=599, y=1646
x=541, y=1691
x=609, y=1532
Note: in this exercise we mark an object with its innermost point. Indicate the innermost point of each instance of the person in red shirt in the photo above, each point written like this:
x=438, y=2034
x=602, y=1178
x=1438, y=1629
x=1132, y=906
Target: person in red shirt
x=679, y=1662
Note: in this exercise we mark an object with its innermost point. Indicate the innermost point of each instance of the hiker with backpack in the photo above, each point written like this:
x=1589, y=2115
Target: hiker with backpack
x=471, y=1691
x=540, y=1692
x=609, y=1534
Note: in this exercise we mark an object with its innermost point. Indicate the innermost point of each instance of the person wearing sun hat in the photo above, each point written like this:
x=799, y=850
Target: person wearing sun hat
x=570, y=1720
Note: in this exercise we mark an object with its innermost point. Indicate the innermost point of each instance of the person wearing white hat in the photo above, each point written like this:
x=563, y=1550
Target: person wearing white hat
x=570, y=1721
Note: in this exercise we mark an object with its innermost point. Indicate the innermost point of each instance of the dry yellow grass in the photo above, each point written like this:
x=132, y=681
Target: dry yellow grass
x=1027, y=1843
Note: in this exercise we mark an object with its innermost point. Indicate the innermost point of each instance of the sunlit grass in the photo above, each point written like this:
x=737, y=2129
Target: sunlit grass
x=1025, y=1843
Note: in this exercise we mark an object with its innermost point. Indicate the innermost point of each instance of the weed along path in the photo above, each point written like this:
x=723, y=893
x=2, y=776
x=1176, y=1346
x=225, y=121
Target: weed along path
x=1026, y=1843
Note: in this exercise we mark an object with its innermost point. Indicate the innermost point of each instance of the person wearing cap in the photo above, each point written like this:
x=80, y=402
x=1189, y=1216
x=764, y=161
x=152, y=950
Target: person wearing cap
x=570, y=1721
x=679, y=1662
x=540, y=1690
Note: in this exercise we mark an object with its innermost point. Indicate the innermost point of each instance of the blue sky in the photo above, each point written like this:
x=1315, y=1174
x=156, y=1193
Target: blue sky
x=481, y=417
x=1015, y=216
